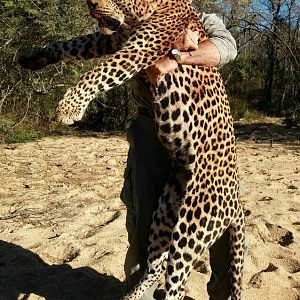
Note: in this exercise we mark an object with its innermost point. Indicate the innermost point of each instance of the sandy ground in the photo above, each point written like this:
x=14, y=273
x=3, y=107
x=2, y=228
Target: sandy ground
x=62, y=233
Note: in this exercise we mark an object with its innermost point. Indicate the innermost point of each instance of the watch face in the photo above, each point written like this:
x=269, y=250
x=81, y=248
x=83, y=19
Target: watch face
x=175, y=52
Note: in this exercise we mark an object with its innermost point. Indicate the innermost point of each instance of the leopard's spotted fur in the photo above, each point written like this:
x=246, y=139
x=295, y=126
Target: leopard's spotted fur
x=200, y=200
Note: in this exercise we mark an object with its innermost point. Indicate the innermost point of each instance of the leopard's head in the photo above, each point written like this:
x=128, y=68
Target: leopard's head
x=111, y=14
x=108, y=14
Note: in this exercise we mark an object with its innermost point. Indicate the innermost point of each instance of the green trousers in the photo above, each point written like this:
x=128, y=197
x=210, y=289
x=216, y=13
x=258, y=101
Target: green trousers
x=147, y=170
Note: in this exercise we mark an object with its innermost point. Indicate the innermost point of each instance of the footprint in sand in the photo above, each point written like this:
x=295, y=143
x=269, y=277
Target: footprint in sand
x=291, y=265
x=91, y=230
x=256, y=279
x=283, y=236
x=60, y=252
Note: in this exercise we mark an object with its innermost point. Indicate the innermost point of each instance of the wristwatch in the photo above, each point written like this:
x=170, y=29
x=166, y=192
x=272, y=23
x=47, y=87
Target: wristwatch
x=177, y=55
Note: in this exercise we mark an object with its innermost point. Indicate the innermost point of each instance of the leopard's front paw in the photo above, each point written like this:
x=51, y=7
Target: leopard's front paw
x=70, y=108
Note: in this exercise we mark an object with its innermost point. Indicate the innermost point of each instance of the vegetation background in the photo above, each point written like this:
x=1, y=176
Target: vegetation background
x=264, y=79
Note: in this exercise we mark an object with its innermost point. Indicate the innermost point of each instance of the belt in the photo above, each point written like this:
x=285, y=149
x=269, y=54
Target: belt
x=146, y=112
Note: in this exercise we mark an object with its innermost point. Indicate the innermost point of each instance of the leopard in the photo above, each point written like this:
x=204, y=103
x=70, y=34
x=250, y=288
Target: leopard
x=200, y=200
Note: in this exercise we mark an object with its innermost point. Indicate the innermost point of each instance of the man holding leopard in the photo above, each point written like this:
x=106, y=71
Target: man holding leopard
x=148, y=162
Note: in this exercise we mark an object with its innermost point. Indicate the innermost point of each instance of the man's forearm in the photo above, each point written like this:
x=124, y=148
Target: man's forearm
x=207, y=54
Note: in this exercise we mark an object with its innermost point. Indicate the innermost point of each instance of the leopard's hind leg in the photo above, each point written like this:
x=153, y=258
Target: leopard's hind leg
x=189, y=239
x=164, y=220
x=198, y=227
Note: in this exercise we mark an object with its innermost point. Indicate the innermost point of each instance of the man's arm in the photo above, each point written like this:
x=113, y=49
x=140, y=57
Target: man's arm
x=220, y=37
x=207, y=54
x=219, y=49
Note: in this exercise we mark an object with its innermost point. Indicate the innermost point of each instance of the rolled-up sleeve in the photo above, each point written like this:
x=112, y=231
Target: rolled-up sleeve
x=220, y=36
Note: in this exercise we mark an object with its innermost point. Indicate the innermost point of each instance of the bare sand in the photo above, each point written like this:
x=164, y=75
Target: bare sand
x=62, y=232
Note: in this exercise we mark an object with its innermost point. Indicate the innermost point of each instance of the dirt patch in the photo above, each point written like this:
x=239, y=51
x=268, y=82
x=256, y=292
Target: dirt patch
x=62, y=232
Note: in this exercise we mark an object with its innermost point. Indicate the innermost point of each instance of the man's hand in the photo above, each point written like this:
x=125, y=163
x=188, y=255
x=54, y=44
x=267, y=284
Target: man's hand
x=189, y=40
x=186, y=41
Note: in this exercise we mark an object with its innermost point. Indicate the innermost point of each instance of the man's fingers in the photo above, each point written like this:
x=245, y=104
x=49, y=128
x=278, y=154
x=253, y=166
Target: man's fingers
x=191, y=40
x=190, y=45
x=188, y=40
x=194, y=37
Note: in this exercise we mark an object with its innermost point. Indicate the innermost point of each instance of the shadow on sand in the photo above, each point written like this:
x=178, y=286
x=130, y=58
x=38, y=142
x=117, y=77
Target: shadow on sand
x=23, y=273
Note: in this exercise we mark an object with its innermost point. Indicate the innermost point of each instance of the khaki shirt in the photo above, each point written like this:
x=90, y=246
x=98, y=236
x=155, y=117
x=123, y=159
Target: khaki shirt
x=217, y=33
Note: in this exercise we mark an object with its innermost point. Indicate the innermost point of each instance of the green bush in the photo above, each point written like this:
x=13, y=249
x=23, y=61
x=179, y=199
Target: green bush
x=9, y=133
